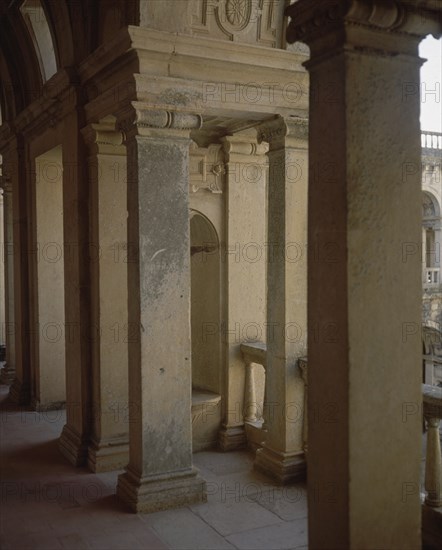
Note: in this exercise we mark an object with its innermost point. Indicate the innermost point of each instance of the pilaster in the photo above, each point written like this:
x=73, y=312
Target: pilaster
x=74, y=440
x=244, y=260
x=109, y=446
x=282, y=455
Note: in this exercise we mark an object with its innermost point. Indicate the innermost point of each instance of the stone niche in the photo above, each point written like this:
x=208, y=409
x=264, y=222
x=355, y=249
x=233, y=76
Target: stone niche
x=247, y=21
x=207, y=186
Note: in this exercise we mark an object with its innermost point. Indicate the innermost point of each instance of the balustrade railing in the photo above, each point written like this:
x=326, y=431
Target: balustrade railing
x=432, y=276
x=432, y=408
x=431, y=140
x=254, y=354
x=255, y=408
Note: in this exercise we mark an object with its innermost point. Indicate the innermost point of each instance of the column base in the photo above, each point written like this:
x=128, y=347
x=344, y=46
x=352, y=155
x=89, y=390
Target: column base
x=72, y=446
x=282, y=467
x=20, y=392
x=7, y=375
x=108, y=455
x=231, y=438
x=156, y=493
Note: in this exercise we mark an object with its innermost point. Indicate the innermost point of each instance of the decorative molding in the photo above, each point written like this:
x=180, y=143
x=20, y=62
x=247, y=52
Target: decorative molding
x=138, y=116
x=101, y=136
x=241, y=146
x=311, y=20
x=207, y=168
x=279, y=131
x=247, y=21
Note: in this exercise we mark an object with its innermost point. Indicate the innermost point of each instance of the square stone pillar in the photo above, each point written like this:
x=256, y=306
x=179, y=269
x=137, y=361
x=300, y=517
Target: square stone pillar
x=160, y=474
x=109, y=446
x=8, y=371
x=15, y=174
x=74, y=439
x=244, y=261
x=282, y=455
x=364, y=291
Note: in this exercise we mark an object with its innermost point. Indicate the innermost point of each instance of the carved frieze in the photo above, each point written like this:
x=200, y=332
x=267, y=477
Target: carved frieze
x=248, y=21
x=207, y=168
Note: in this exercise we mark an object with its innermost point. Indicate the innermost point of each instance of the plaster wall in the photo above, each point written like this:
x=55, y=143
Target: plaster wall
x=50, y=278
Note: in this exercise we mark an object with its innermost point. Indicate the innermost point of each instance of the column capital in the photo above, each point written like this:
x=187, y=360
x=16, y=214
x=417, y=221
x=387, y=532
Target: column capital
x=245, y=146
x=285, y=132
x=140, y=119
x=311, y=21
x=103, y=138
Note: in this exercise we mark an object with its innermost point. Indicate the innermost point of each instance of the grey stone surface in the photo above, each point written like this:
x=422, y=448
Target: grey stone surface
x=276, y=537
x=182, y=529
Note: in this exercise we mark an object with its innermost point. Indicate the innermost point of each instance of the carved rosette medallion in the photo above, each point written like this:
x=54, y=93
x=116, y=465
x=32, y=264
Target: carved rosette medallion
x=233, y=16
x=238, y=13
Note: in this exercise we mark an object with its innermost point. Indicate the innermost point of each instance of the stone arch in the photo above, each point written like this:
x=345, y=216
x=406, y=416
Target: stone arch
x=57, y=15
x=430, y=205
x=20, y=69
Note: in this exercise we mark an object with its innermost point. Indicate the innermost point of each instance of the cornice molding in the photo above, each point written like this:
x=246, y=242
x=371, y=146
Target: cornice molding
x=312, y=19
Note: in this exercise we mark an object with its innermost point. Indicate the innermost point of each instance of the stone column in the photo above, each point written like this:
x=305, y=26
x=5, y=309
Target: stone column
x=244, y=260
x=282, y=455
x=109, y=446
x=160, y=474
x=74, y=439
x=8, y=371
x=364, y=291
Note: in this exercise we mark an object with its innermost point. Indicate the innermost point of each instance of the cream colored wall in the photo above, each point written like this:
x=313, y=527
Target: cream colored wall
x=50, y=278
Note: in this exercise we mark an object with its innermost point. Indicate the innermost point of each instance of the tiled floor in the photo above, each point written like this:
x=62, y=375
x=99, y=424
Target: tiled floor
x=48, y=504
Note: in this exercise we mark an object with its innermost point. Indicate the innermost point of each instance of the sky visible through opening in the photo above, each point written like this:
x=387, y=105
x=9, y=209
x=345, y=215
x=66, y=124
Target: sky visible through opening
x=431, y=85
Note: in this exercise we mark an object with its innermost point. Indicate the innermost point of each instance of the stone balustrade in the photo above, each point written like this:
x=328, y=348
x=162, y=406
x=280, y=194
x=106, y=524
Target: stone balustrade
x=253, y=354
x=431, y=140
x=432, y=276
x=432, y=408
